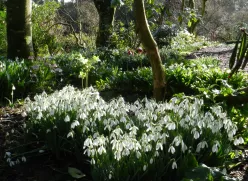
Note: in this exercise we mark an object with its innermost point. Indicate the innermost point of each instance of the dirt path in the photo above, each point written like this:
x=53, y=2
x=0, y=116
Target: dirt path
x=221, y=52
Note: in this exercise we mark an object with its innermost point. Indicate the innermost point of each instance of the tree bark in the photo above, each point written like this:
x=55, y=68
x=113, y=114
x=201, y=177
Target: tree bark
x=106, y=22
x=19, y=30
x=142, y=28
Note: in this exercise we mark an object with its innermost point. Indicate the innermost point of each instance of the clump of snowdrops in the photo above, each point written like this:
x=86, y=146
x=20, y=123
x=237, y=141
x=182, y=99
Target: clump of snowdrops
x=128, y=141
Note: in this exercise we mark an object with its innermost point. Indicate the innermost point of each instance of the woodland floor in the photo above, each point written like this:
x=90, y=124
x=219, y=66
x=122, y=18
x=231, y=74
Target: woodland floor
x=45, y=168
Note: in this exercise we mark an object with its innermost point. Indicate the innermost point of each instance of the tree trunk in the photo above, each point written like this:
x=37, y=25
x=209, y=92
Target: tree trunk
x=19, y=31
x=106, y=22
x=142, y=28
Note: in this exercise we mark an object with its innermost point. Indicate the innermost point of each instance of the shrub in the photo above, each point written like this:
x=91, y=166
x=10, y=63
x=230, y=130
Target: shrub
x=26, y=77
x=202, y=77
x=45, y=31
x=186, y=42
x=131, y=141
x=3, y=35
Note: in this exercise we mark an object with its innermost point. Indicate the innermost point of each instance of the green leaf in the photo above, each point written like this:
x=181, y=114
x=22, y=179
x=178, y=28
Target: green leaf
x=75, y=173
x=189, y=24
x=246, y=59
x=241, y=54
x=242, y=47
x=234, y=54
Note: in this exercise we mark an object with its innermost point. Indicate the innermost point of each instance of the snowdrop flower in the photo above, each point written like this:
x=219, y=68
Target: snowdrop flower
x=177, y=140
x=196, y=133
x=24, y=159
x=151, y=161
x=11, y=163
x=101, y=150
x=183, y=146
x=171, y=149
x=171, y=126
x=123, y=119
x=144, y=168
x=174, y=165
x=138, y=154
x=110, y=176
x=159, y=146
x=201, y=145
x=74, y=124
x=238, y=141
x=215, y=147
x=17, y=161
x=70, y=134
x=67, y=119
x=39, y=116
x=7, y=154
x=93, y=162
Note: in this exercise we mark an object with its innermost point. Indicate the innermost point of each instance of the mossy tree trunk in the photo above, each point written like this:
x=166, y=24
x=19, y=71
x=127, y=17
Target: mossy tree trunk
x=142, y=28
x=19, y=30
x=106, y=22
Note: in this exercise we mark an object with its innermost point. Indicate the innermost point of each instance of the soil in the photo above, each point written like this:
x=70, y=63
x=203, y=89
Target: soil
x=46, y=168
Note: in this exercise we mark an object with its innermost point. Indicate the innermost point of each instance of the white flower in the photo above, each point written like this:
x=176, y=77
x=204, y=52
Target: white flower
x=216, y=91
x=201, y=145
x=67, y=118
x=17, y=161
x=184, y=147
x=93, y=162
x=196, y=135
x=177, y=140
x=159, y=146
x=174, y=165
x=11, y=163
x=144, y=168
x=171, y=149
x=8, y=154
x=123, y=119
x=24, y=159
x=24, y=114
x=238, y=141
x=39, y=116
x=74, y=124
x=110, y=176
x=70, y=134
x=171, y=126
x=215, y=147
x=151, y=161
x=101, y=150
x=138, y=154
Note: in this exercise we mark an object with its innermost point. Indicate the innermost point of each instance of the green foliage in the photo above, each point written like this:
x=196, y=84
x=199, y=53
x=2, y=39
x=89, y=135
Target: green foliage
x=131, y=141
x=200, y=77
x=45, y=32
x=3, y=34
x=186, y=42
x=124, y=35
x=47, y=74
x=26, y=77
x=205, y=173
